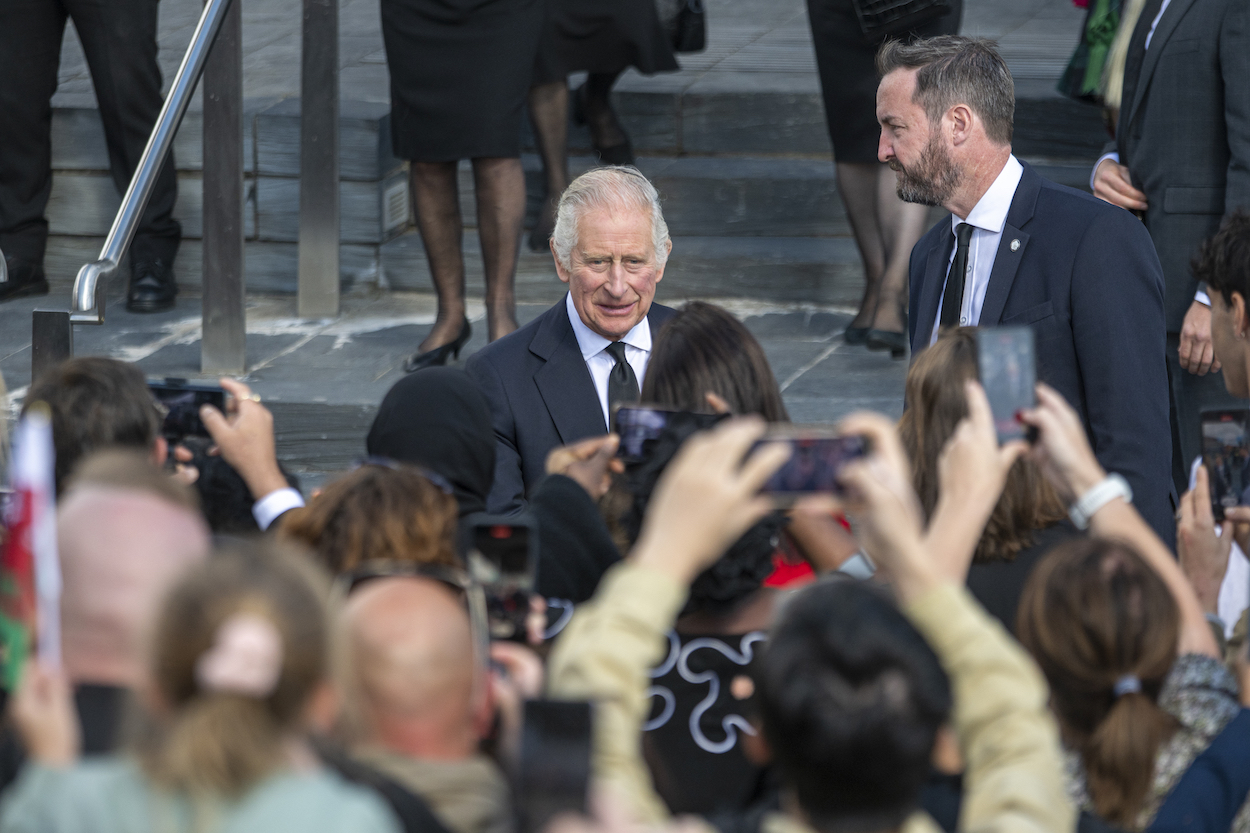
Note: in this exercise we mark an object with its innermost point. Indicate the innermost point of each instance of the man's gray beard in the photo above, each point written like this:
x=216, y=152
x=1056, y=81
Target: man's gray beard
x=933, y=179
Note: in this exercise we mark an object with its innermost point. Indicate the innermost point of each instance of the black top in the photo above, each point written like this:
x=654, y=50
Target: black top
x=997, y=585
x=575, y=548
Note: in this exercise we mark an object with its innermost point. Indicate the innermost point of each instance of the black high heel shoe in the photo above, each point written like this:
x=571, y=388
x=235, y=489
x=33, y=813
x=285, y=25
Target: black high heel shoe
x=896, y=343
x=618, y=154
x=439, y=355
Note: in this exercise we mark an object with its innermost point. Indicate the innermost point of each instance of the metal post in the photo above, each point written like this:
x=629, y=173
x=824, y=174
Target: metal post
x=222, y=346
x=319, y=161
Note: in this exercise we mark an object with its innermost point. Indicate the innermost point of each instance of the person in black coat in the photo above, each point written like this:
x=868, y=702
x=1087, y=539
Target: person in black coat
x=555, y=380
x=1027, y=252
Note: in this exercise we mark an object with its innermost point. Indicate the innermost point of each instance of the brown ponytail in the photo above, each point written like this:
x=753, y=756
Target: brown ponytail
x=1092, y=613
x=207, y=743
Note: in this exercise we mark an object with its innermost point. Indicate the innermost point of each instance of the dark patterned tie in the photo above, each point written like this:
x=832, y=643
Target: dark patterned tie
x=622, y=383
x=953, y=297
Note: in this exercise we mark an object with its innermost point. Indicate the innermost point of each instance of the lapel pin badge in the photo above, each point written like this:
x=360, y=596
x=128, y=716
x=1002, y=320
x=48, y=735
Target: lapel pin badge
x=1015, y=245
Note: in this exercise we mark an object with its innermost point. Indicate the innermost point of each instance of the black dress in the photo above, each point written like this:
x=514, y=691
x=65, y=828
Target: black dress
x=602, y=36
x=848, y=74
x=997, y=585
x=460, y=70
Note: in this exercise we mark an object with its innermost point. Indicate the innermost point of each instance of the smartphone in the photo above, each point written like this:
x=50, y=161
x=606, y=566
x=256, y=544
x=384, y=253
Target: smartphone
x=553, y=768
x=1007, y=362
x=640, y=426
x=501, y=553
x=817, y=456
x=182, y=401
x=1226, y=454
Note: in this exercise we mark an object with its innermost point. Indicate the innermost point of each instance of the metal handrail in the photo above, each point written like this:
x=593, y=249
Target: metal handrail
x=89, y=289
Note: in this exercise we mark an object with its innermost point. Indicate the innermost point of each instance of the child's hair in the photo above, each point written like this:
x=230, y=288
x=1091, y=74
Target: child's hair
x=240, y=645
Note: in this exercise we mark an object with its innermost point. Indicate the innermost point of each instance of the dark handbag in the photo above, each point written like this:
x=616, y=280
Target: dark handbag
x=883, y=19
x=690, y=27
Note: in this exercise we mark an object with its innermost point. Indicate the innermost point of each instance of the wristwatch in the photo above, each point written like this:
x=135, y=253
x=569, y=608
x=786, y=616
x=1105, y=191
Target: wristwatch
x=1098, y=496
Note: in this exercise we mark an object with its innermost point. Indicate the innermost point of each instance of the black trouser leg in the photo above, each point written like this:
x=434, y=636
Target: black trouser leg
x=30, y=53
x=119, y=40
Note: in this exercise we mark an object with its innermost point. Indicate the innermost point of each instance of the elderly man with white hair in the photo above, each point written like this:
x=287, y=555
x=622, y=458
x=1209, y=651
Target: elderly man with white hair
x=556, y=380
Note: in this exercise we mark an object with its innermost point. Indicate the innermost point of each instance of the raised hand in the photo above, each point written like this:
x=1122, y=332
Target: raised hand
x=1062, y=450
x=589, y=462
x=245, y=439
x=1203, y=548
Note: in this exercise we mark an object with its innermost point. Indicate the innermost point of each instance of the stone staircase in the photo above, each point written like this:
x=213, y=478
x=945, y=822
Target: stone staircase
x=735, y=143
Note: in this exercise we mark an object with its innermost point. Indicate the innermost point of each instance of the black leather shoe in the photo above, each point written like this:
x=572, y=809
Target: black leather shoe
x=896, y=343
x=152, y=287
x=439, y=355
x=24, y=279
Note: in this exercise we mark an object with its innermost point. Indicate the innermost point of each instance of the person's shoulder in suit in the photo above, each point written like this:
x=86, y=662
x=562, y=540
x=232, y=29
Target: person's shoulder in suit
x=512, y=347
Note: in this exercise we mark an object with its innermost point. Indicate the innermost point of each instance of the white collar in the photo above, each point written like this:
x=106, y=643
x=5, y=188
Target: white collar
x=591, y=343
x=990, y=212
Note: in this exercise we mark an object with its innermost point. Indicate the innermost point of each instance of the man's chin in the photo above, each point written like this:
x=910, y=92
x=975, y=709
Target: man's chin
x=616, y=325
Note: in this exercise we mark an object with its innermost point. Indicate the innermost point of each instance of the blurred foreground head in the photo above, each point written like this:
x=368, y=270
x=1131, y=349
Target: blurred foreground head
x=936, y=403
x=1093, y=612
x=377, y=512
x=851, y=698
x=413, y=688
x=240, y=647
x=126, y=531
x=98, y=403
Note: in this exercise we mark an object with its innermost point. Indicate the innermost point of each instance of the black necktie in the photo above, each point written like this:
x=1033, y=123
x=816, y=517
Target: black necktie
x=1137, y=53
x=953, y=297
x=622, y=383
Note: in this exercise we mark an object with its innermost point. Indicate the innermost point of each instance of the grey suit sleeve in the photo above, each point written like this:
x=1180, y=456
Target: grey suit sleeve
x=1119, y=327
x=507, y=493
x=1235, y=66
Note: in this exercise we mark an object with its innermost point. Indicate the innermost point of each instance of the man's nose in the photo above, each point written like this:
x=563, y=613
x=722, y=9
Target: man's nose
x=885, y=148
x=617, y=283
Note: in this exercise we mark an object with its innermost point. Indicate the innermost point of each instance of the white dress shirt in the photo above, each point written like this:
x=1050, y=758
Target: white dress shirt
x=600, y=362
x=987, y=218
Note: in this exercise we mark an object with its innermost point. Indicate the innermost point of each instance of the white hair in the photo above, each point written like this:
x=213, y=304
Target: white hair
x=614, y=186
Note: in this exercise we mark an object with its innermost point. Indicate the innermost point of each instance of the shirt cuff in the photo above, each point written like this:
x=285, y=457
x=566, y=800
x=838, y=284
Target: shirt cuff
x=1113, y=156
x=267, y=509
x=1202, y=298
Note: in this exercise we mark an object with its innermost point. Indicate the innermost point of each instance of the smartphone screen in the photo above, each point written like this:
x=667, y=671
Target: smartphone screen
x=502, y=556
x=816, y=460
x=640, y=427
x=182, y=401
x=1226, y=454
x=553, y=771
x=1008, y=369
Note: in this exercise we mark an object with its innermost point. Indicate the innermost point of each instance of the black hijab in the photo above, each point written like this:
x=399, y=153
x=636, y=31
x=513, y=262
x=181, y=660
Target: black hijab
x=438, y=419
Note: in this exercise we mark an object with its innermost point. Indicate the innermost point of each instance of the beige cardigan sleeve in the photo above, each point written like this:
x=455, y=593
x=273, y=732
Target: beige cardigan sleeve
x=1013, y=767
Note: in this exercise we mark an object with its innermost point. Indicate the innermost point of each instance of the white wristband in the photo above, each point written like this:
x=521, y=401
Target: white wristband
x=1110, y=488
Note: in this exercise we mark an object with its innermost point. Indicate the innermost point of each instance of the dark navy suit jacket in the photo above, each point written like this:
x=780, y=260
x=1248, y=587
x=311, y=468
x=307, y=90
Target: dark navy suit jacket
x=541, y=396
x=1086, y=278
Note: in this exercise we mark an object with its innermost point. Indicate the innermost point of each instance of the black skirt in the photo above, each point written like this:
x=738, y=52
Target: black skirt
x=848, y=74
x=460, y=70
x=602, y=36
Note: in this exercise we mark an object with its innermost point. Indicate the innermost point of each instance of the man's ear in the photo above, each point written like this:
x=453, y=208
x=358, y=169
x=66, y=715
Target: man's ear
x=959, y=121
x=560, y=270
x=323, y=708
x=160, y=452
x=1238, y=309
x=947, y=759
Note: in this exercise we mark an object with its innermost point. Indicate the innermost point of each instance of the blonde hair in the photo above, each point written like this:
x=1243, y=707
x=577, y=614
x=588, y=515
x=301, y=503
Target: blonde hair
x=219, y=743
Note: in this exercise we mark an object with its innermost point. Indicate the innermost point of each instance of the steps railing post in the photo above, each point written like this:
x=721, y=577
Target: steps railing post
x=319, y=161
x=223, y=341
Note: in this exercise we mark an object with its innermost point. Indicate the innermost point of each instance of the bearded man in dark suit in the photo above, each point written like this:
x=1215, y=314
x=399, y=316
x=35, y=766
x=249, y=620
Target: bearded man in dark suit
x=557, y=379
x=1020, y=250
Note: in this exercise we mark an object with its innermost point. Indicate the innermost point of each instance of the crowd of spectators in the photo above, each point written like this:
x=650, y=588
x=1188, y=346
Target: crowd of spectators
x=966, y=634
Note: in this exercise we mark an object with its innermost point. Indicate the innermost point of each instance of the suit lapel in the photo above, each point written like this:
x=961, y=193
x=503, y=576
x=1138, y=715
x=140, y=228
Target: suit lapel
x=1007, y=258
x=1167, y=25
x=564, y=381
x=931, y=289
